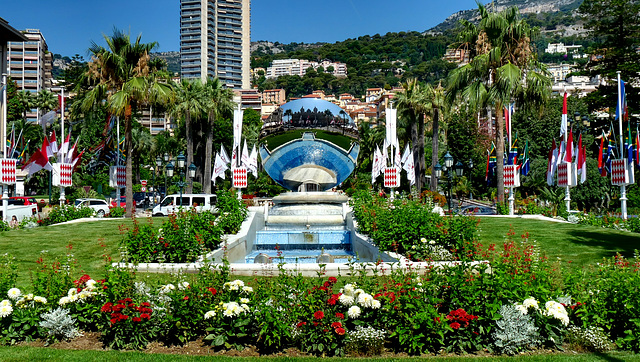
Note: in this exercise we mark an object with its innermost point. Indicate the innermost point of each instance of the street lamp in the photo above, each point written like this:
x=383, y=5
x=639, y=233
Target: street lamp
x=182, y=170
x=449, y=168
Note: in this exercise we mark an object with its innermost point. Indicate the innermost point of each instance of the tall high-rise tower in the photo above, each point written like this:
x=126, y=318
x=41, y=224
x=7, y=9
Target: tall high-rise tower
x=215, y=40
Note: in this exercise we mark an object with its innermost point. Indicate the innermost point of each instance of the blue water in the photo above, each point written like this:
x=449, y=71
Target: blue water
x=302, y=246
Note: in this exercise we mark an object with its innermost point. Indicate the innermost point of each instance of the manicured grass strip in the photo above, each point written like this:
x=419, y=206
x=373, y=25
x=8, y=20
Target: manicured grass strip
x=51, y=354
x=275, y=141
x=87, y=241
x=579, y=245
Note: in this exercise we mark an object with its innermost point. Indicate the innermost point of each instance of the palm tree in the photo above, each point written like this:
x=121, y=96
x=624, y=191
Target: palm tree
x=26, y=101
x=46, y=101
x=503, y=69
x=436, y=107
x=190, y=104
x=219, y=102
x=121, y=74
x=411, y=104
x=142, y=145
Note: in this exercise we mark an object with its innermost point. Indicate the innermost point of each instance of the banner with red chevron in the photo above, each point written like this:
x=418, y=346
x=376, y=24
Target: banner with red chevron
x=8, y=171
x=392, y=177
x=240, y=177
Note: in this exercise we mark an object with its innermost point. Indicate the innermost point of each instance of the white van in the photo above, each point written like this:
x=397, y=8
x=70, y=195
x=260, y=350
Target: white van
x=171, y=203
x=19, y=211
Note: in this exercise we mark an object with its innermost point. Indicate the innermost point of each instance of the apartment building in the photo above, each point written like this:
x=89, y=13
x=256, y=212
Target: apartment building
x=215, y=41
x=274, y=96
x=299, y=67
x=30, y=64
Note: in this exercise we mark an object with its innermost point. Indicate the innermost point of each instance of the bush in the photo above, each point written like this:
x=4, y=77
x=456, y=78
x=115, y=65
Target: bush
x=116, y=212
x=65, y=213
x=399, y=226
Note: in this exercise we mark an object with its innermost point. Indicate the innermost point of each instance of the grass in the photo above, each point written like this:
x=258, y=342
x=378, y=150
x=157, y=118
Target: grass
x=87, y=241
x=23, y=353
x=341, y=141
x=578, y=245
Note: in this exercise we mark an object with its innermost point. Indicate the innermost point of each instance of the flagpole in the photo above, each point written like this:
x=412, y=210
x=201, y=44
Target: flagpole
x=511, y=196
x=567, y=189
x=5, y=188
x=118, y=160
x=623, y=187
x=61, y=158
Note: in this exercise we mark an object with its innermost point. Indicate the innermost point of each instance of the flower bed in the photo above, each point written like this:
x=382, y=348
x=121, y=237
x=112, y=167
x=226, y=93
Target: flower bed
x=522, y=303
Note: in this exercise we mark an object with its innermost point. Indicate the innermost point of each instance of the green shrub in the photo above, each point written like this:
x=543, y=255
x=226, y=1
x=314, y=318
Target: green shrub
x=116, y=212
x=59, y=214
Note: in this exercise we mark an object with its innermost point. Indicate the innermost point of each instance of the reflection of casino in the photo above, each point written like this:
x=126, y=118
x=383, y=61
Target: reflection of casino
x=309, y=162
x=309, y=113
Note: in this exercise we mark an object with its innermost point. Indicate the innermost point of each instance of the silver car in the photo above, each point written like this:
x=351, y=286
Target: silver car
x=99, y=206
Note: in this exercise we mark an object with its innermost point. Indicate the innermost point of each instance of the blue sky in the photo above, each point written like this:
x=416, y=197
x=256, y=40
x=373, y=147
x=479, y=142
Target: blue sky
x=69, y=26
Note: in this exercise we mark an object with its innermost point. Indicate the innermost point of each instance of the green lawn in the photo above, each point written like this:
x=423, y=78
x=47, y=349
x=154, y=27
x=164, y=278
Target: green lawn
x=51, y=354
x=578, y=244
x=581, y=245
x=87, y=241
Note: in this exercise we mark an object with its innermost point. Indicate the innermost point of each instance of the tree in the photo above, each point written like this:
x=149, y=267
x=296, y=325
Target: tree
x=26, y=101
x=436, y=106
x=615, y=25
x=219, y=103
x=502, y=69
x=46, y=101
x=121, y=75
x=411, y=104
x=190, y=104
x=142, y=145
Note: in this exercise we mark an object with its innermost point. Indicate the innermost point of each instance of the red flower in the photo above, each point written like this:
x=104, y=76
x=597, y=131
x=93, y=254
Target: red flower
x=136, y=319
x=318, y=315
x=339, y=315
x=107, y=307
x=333, y=280
x=454, y=325
x=213, y=291
x=336, y=325
x=186, y=297
x=145, y=304
x=301, y=324
x=145, y=316
x=340, y=331
x=331, y=301
x=114, y=320
x=326, y=284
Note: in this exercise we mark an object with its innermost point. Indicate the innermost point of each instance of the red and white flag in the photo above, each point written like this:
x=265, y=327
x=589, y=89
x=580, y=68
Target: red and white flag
x=37, y=162
x=69, y=155
x=65, y=146
x=551, y=165
x=563, y=123
x=76, y=160
x=568, y=152
x=53, y=143
x=582, y=164
x=244, y=158
x=46, y=148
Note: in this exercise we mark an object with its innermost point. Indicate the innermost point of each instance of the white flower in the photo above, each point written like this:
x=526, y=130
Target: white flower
x=5, y=311
x=244, y=300
x=357, y=292
x=432, y=242
x=167, y=288
x=247, y=289
x=38, y=299
x=375, y=304
x=348, y=289
x=72, y=292
x=91, y=284
x=365, y=300
x=5, y=303
x=423, y=240
x=522, y=309
x=354, y=312
x=14, y=293
x=531, y=302
x=244, y=307
x=64, y=300
x=183, y=285
x=210, y=314
x=345, y=299
x=557, y=311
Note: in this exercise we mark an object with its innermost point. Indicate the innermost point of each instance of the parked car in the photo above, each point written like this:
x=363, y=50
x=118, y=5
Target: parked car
x=22, y=200
x=476, y=210
x=99, y=206
x=123, y=202
x=171, y=203
x=143, y=199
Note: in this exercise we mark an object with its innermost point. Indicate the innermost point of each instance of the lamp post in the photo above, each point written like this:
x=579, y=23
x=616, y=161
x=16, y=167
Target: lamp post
x=181, y=169
x=449, y=168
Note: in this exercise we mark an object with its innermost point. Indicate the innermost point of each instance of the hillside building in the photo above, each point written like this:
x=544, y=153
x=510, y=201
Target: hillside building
x=30, y=65
x=215, y=41
x=299, y=67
